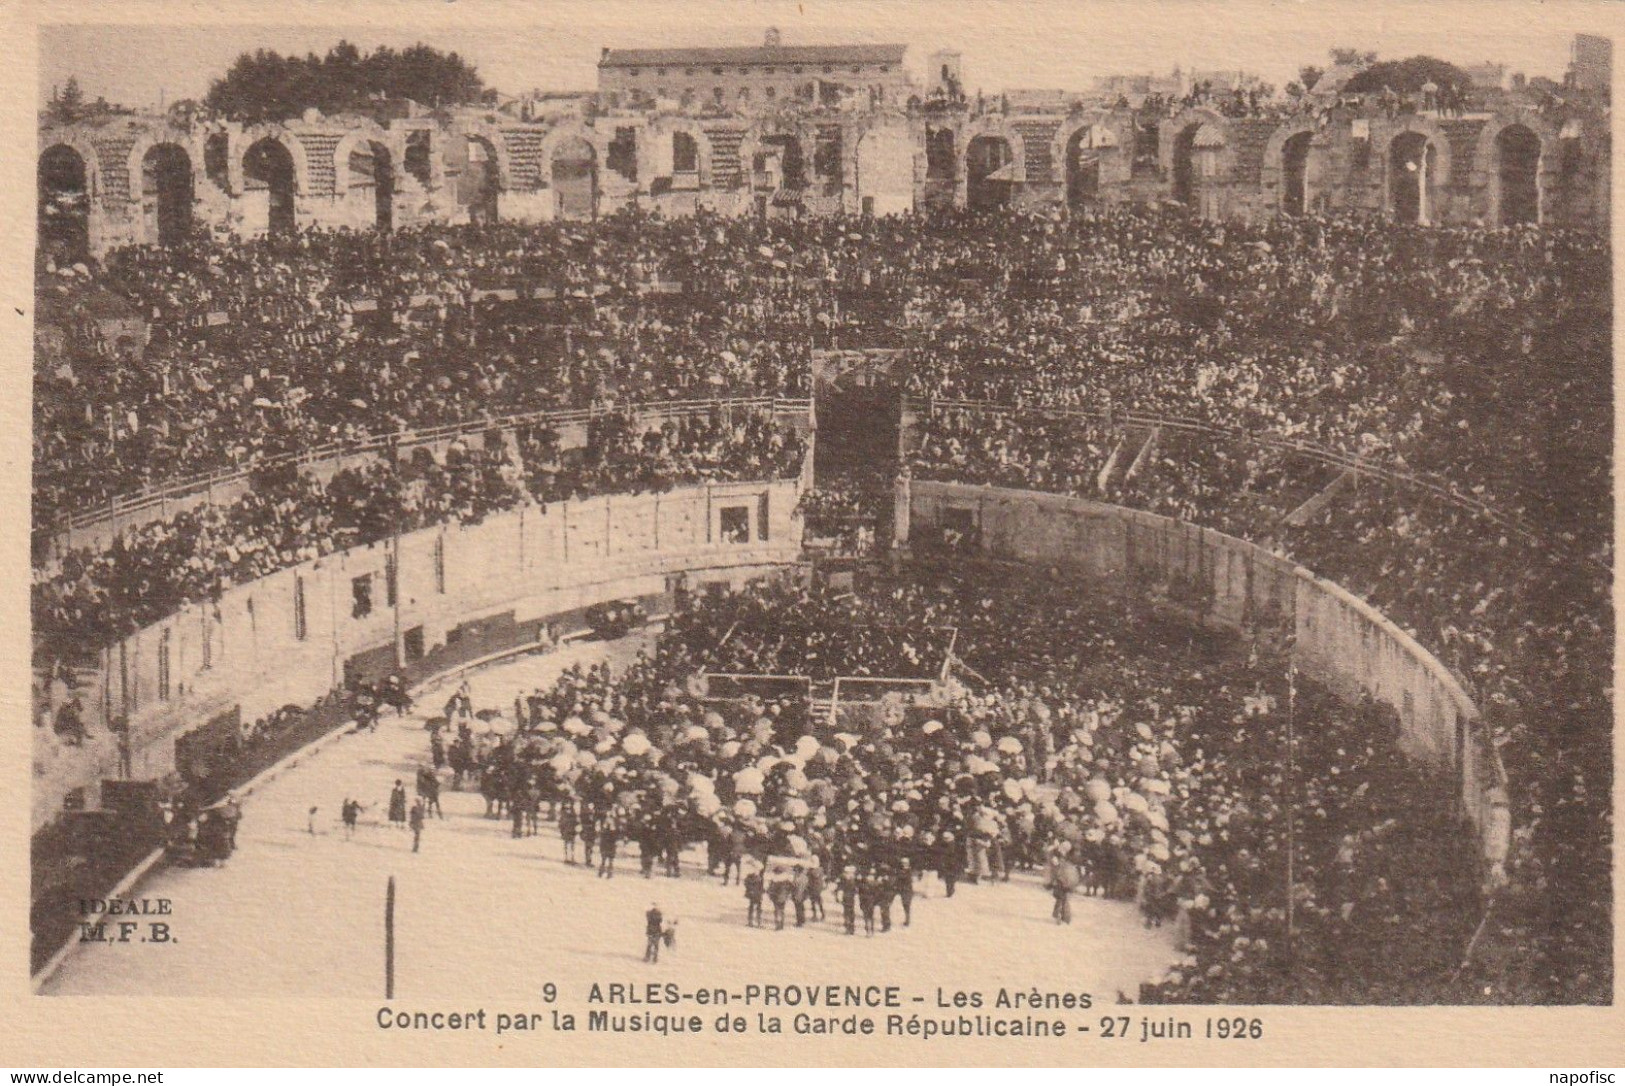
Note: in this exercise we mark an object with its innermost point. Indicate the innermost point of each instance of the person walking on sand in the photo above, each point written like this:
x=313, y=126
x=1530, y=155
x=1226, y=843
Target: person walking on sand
x=397, y=805
x=654, y=929
x=416, y=821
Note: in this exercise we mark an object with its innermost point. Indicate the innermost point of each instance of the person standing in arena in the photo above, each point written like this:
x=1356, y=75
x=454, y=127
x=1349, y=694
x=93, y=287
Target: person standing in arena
x=397, y=805
x=567, y=829
x=753, y=899
x=654, y=929
x=416, y=821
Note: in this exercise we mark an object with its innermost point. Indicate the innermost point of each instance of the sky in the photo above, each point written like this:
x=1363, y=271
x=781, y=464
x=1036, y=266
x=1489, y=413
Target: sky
x=137, y=57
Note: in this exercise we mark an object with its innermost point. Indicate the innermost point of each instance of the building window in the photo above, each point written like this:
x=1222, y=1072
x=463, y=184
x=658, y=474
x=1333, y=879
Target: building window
x=796, y=69
x=771, y=93
x=885, y=68
x=412, y=644
x=660, y=71
x=856, y=69
x=770, y=70
x=685, y=153
x=735, y=523
x=361, y=596
x=744, y=94
x=688, y=71
x=716, y=71
x=633, y=72
x=300, y=629
x=744, y=70
x=829, y=69
x=716, y=94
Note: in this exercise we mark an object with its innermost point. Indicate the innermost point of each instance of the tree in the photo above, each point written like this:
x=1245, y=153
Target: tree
x=1407, y=76
x=1308, y=76
x=266, y=86
x=68, y=105
x=1354, y=58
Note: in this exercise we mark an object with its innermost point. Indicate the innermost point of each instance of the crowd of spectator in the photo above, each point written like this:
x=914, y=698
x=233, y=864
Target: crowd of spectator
x=1474, y=361
x=1151, y=767
x=90, y=597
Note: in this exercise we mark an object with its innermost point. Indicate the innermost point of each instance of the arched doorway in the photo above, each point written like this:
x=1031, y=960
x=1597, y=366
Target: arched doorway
x=1517, y=154
x=1196, y=164
x=268, y=183
x=1412, y=163
x=372, y=175
x=989, y=172
x=64, y=204
x=1295, y=174
x=479, y=180
x=885, y=172
x=166, y=193
x=1084, y=152
x=574, y=170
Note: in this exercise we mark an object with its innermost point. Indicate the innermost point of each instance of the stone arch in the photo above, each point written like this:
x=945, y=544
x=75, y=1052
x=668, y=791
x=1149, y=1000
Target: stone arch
x=1197, y=154
x=1110, y=166
x=87, y=154
x=575, y=181
x=474, y=179
x=1419, y=142
x=988, y=128
x=1487, y=162
x=270, y=167
x=1278, y=176
x=491, y=136
x=1426, y=126
x=66, y=181
x=164, y=185
x=1170, y=130
x=135, y=161
x=290, y=143
x=369, y=160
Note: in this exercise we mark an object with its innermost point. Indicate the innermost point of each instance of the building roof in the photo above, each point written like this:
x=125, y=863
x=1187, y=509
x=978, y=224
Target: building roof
x=754, y=54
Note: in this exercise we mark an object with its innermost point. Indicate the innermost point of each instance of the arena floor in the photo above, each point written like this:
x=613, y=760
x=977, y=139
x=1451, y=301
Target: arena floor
x=481, y=915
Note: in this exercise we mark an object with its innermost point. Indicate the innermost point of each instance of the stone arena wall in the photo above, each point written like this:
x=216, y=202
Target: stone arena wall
x=1332, y=636
x=298, y=634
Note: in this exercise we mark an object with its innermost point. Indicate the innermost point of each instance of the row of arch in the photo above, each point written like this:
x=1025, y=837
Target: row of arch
x=1196, y=154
